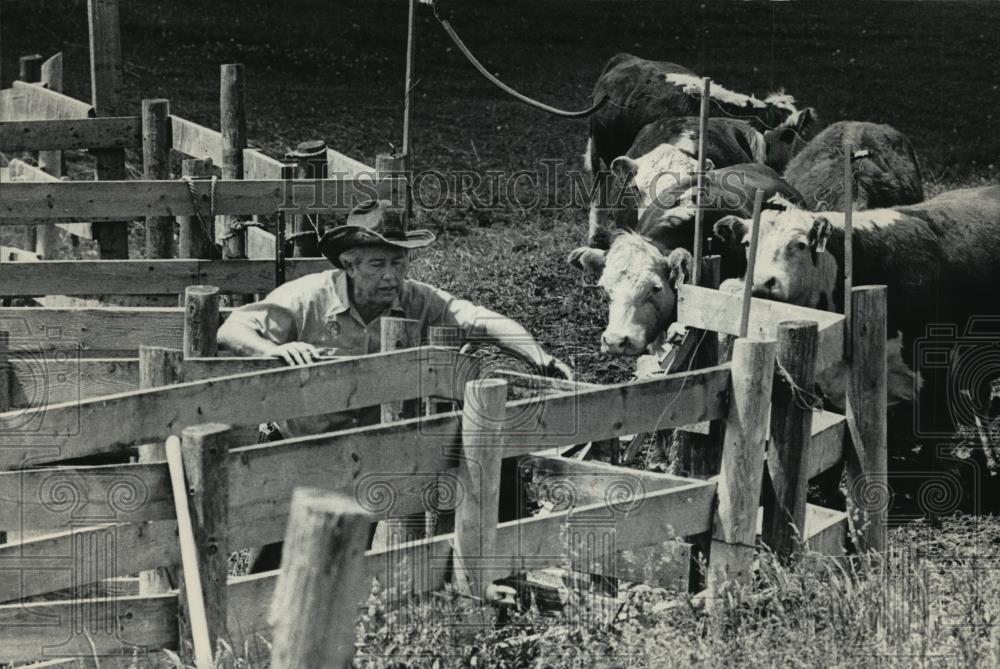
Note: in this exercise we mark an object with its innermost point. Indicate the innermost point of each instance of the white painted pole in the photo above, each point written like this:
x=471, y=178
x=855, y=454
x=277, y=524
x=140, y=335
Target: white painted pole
x=706, y=91
x=758, y=204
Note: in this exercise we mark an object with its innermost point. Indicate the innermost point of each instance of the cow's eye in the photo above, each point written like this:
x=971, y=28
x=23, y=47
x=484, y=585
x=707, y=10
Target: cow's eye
x=801, y=246
x=657, y=288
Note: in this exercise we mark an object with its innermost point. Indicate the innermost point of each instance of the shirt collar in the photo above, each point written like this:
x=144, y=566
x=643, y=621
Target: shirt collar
x=341, y=301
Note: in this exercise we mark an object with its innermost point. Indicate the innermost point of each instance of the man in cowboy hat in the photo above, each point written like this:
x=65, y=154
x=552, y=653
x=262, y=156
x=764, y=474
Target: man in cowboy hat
x=340, y=308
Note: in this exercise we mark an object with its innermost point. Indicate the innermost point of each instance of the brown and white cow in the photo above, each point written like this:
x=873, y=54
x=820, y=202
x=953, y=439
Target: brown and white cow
x=664, y=153
x=642, y=91
x=886, y=170
x=935, y=258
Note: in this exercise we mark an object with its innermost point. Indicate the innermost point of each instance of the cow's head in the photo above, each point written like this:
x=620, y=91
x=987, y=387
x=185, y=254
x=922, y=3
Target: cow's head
x=793, y=264
x=641, y=283
x=631, y=186
x=789, y=137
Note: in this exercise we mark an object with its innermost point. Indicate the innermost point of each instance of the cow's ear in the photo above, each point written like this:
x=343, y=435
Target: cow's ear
x=818, y=236
x=730, y=229
x=709, y=165
x=587, y=260
x=805, y=119
x=624, y=168
x=679, y=263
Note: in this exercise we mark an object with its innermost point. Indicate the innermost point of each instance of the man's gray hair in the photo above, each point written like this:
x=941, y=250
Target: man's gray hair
x=353, y=255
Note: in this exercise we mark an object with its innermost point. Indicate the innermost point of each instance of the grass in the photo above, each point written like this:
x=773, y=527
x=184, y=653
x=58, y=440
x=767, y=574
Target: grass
x=334, y=71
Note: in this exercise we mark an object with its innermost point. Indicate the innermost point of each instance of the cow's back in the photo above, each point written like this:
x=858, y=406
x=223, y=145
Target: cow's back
x=638, y=93
x=727, y=141
x=887, y=176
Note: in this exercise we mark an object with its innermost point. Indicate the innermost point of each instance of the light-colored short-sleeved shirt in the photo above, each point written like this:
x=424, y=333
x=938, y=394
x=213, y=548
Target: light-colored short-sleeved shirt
x=316, y=309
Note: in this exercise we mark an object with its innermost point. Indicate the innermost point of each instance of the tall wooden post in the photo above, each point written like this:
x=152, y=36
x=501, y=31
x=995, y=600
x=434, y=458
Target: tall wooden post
x=106, y=87
x=735, y=527
x=158, y=367
x=437, y=521
x=5, y=389
x=46, y=237
x=156, y=142
x=205, y=453
x=867, y=461
x=234, y=141
x=784, y=528
x=323, y=579
x=30, y=71
x=399, y=333
x=479, y=473
x=201, y=321
x=195, y=238
x=311, y=163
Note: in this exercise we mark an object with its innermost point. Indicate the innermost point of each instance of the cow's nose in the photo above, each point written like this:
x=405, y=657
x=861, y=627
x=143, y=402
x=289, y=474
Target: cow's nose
x=765, y=288
x=614, y=343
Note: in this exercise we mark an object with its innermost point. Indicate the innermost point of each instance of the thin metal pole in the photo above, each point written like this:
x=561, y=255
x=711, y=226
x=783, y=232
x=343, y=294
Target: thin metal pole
x=706, y=91
x=848, y=247
x=758, y=204
x=409, y=78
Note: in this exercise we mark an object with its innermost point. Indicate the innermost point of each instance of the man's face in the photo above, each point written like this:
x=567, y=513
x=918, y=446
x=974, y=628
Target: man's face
x=378, y=274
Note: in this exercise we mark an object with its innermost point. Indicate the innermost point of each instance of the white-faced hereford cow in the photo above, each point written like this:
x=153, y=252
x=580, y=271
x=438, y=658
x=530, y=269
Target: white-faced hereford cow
x=641, y=270
x=664, y=152
x=642, y=91
x=937, y=259
x=886, y=171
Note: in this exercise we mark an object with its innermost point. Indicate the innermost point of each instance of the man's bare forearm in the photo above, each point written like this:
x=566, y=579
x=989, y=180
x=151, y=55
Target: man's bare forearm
x=244, y=340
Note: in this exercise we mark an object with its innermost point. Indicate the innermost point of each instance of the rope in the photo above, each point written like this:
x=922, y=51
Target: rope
x=206, y=229
x=504, y=87
x=803, y=399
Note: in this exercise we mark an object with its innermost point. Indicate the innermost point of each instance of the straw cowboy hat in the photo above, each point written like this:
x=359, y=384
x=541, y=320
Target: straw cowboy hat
x=373, y=222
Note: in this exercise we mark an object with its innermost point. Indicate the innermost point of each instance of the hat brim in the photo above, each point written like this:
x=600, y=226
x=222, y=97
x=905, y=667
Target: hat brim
x=346, y=237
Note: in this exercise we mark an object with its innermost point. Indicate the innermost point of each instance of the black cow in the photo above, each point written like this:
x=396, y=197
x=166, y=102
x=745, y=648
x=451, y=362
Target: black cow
x=886, y=171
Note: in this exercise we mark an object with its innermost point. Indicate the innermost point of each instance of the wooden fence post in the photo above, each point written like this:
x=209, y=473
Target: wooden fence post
x=399, y=333
x=46, y=237
x=698, y=450
x=311, y=163
x=156, y=144
x=867, y=461
x=201, y=321
x=476, y=517
x=323, y=579
x=205, y=452
x=30, y=71
x=158, y=367
x=784, y=528
x=735, y=528
x=5, y=389
x=439, y=522
x=195, y=239
x=106, y=86
x=234, y=141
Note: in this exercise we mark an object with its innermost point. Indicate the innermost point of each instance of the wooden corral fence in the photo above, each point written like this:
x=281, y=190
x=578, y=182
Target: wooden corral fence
x=107, y=521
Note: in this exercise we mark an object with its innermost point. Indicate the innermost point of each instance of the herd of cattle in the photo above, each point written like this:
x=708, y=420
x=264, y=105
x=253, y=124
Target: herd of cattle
x=938, y=258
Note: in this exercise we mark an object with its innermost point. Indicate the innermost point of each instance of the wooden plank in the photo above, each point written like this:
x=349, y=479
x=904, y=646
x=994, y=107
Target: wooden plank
x=196, y=140
x=95, y=328
x=22, y=171
x=712, y=310
x=105, y=200
x=110, y=424
x=827, y=445
x=340, y=165
x=257, y=165
x=260, y=245
x=147, y=277
x=11, y=254
x=113, y=132
x=826, y=530
x=40, y=378
x=32, y=102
